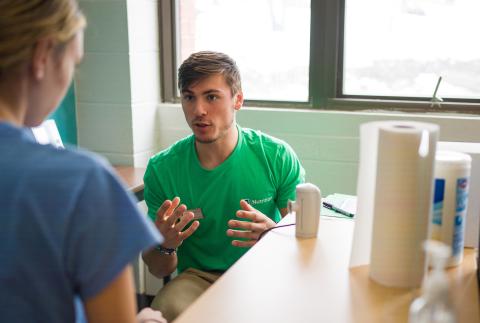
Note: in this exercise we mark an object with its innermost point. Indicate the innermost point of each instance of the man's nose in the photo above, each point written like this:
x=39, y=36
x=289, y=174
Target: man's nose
x=199, y=108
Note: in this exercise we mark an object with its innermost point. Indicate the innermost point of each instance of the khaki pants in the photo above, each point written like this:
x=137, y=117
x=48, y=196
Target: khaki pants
x=182, y=291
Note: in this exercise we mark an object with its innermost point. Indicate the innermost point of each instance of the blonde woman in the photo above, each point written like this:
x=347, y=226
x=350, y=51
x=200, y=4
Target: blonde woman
x=68, y=229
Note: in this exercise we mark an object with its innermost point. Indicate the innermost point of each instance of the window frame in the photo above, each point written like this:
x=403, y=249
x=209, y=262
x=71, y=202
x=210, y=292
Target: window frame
x=325, y=68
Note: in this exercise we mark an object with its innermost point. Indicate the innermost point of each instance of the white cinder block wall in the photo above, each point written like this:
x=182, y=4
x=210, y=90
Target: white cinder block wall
x=143, y=36
x=118, y=90
x=117, y=86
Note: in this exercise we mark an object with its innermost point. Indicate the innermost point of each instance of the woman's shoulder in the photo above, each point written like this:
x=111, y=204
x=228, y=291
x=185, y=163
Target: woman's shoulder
x=69, y=167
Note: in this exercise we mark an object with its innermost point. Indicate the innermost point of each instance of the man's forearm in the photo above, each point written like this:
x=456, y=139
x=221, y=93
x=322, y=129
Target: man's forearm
x=160, y=265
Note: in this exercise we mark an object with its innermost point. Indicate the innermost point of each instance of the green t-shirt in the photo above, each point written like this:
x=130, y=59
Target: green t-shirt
x=262, y=169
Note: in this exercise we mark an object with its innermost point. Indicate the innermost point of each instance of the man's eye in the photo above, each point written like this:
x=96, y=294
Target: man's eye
x=188, y=97
x=211, y=97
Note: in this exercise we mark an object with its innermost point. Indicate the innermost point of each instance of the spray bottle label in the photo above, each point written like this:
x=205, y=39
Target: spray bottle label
x=460, y=210
x=438, y=200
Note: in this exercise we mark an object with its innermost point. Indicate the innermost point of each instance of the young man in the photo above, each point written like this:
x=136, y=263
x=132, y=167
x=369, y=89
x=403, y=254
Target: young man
x=234, y=184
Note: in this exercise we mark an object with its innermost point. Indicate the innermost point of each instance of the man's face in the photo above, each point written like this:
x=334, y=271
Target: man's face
x=209, y=108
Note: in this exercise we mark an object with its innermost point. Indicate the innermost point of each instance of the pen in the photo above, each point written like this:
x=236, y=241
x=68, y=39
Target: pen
x=338, y=210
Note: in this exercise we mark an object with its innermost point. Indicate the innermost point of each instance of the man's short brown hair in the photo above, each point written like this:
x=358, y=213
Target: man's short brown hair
x=203, y=64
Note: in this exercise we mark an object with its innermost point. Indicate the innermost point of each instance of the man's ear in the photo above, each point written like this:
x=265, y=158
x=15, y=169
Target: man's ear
x=40, y=54
x=238, y=100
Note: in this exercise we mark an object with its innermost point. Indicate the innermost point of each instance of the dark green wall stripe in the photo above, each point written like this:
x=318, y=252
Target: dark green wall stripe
x=66, y=119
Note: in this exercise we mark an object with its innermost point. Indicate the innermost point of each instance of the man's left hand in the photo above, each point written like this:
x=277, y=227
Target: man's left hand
x=251, y=230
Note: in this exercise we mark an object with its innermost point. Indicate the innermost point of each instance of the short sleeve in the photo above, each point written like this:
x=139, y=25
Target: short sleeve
x=106, y=233
x=153, y=194
x=291, y=174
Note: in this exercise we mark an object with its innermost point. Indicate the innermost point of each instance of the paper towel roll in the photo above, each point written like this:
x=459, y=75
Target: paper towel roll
x=394, y=192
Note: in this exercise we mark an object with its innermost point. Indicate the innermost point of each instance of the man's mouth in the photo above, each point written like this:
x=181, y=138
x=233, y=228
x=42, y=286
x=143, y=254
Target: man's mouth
x=201, y=124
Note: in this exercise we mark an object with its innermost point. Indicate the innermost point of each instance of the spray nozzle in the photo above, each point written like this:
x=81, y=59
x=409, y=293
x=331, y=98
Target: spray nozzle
x=434, y=304
x=435, y=284
x=438, y=253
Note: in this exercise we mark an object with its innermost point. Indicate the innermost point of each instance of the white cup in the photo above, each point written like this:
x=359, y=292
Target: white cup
x=307, y=210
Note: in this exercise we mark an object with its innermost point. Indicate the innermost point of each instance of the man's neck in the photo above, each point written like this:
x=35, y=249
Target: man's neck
x=214, y=154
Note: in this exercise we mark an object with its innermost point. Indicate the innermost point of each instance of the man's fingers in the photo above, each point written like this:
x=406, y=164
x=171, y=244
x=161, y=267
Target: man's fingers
x=172, y=219
x=244, y=205
x=249, y=230
x=162, y=210
x=167, y=208
x=184, y=220
x=252, y=216
x=242, y=234
x=245, y=225
x=173, y=206
x=245, y=244
x=191, y=229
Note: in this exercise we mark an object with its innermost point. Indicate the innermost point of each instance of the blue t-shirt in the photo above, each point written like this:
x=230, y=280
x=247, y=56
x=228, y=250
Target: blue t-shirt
x=67, y=228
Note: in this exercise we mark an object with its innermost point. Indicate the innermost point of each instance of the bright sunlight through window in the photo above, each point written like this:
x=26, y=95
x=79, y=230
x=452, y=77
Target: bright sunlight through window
x=269, y=40
x=401, y=47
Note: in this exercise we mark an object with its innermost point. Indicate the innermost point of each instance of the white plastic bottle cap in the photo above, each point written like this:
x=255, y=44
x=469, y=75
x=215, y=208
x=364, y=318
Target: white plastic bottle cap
x=452, y=159
x=308, y=188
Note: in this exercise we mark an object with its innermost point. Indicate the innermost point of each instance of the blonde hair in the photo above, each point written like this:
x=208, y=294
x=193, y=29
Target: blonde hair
x=24, y=22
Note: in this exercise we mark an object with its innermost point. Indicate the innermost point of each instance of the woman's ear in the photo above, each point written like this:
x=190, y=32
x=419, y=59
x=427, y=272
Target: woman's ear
x=40, y=55
x=238, y=100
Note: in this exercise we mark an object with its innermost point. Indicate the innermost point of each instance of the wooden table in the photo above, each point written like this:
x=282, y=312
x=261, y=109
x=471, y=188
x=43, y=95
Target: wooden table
x=133, y=178
x=285, y=279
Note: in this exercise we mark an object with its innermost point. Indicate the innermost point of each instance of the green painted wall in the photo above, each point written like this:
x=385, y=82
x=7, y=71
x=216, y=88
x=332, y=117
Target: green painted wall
x=66, y=119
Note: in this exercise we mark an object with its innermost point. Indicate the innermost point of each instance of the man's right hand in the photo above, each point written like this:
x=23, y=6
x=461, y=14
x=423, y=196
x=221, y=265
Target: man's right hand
x=171, y=220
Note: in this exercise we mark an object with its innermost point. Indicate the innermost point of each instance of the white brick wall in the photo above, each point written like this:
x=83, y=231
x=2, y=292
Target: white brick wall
x=118, y=84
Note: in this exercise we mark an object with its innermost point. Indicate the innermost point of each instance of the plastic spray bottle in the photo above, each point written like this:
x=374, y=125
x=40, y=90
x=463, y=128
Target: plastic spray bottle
x=434, y=305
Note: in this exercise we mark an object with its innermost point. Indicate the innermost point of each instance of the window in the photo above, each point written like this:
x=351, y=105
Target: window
x=339, y=54
x=401, y=48
x=269, y=40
